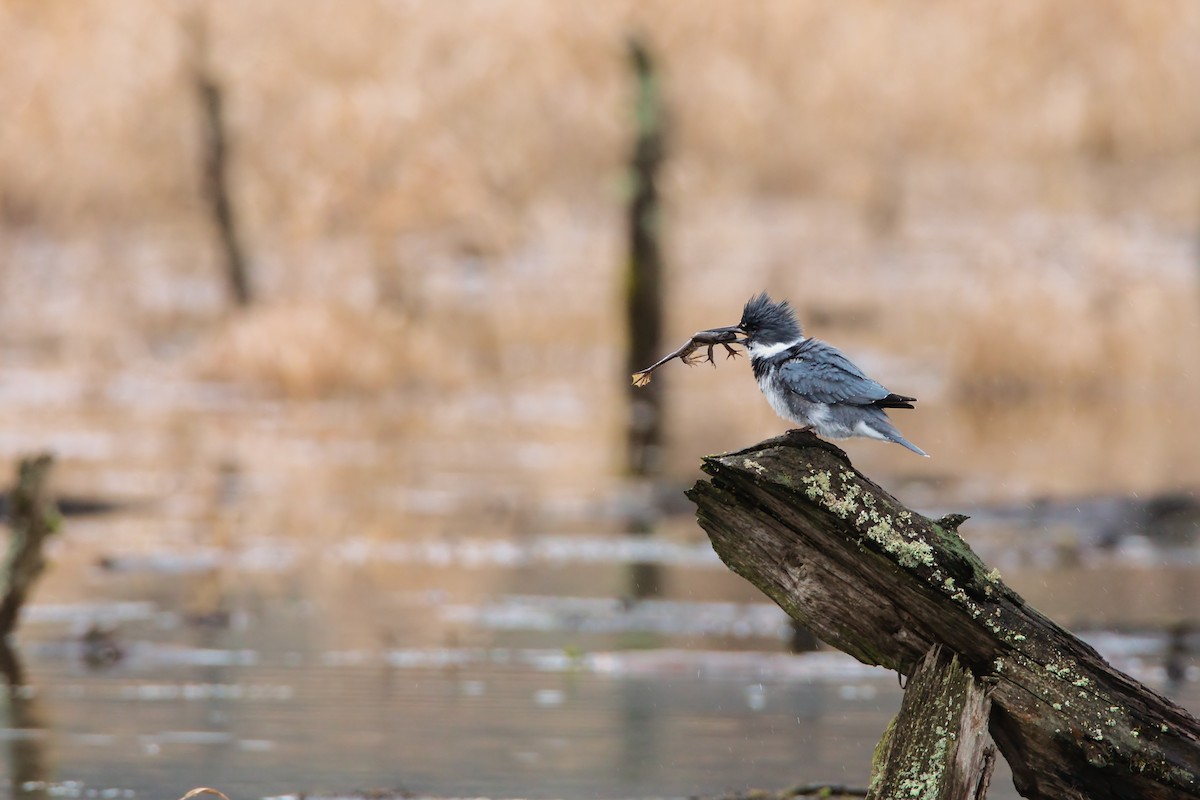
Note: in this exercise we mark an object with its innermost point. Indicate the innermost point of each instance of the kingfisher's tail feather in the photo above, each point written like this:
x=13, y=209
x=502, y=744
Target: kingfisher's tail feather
x=884, y=428
x=898, y=439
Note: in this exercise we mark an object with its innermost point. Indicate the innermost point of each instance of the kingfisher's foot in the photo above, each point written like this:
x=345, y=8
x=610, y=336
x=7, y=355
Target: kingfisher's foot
x=805, y=429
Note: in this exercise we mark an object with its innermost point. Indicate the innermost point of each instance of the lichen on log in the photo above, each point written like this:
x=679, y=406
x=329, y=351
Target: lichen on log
x=884, y=584
x=938, y=748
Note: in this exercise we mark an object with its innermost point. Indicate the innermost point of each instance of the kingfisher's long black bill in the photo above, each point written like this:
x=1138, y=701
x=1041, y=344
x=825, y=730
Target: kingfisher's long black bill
x=727, y=335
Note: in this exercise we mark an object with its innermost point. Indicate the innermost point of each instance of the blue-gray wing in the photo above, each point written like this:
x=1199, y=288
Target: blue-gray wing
x=820, y=373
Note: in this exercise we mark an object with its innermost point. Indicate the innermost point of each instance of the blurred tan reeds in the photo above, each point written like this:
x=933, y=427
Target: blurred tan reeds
x=311, y=350
x=405, y=116
x=1100, y=335
x=472, y=128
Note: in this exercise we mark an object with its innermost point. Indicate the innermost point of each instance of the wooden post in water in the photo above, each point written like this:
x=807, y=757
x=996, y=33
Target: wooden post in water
x=32, y=518
x=643, y=278
x=215, y=165
x=794, y=517
x=644, y=305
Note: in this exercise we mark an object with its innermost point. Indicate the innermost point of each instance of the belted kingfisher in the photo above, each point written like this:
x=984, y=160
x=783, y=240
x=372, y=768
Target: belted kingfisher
x=808, y=381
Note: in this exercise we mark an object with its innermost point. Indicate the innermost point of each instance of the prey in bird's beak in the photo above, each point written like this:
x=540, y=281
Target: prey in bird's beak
x=723, y=334
x=709, y=339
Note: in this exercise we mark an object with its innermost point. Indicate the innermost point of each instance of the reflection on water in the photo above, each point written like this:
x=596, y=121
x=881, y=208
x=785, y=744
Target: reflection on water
x=498, y=730
x=289, y=698
x=517, y=670
x=27, y=732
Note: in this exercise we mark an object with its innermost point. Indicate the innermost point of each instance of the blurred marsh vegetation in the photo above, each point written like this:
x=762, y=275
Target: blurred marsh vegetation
x=999, y=202
x=994, y=207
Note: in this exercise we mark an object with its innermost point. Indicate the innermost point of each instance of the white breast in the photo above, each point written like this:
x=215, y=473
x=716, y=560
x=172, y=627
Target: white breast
x=777, y=398
x=795, y=409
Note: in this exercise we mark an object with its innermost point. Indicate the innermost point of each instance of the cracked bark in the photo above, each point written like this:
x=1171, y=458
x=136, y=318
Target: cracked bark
x=938, y=746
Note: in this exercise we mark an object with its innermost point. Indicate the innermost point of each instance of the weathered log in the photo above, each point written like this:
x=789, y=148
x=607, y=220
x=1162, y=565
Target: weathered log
x=938, y=746
x=32, y=518
x=885, y=584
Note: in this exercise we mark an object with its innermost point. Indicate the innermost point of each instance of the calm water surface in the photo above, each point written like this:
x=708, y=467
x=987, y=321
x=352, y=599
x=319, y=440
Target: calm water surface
x=467, y=666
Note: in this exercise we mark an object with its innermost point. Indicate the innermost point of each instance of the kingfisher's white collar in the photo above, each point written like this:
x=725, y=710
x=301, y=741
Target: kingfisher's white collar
x=767, y=350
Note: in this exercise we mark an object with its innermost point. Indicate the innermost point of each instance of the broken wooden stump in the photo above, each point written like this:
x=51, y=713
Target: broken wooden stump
x=32, y=518
x=938, y=746
x=885, y=584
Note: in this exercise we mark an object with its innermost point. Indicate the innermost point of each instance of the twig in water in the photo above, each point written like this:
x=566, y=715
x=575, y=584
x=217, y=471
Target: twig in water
x=825, y=790
x=199, y=790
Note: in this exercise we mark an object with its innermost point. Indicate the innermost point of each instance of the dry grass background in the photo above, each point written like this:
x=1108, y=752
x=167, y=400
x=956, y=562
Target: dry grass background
x=1002, y=197
x=397, y=116
x=389, y=117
